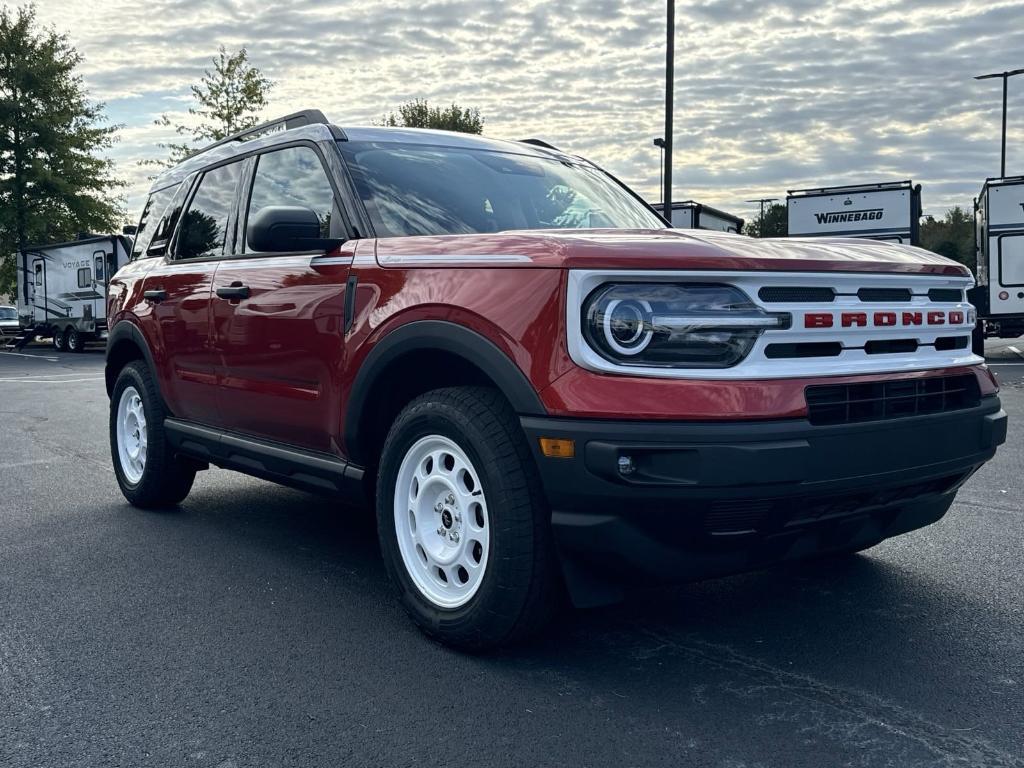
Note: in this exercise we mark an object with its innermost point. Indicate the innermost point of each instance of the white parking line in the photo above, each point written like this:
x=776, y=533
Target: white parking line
x=50, y=381
x=33, y=357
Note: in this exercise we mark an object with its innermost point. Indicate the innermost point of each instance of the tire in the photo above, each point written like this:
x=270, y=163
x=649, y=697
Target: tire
x=74, y=341
x=160, y=479
x=59, y=340
x=501, y=585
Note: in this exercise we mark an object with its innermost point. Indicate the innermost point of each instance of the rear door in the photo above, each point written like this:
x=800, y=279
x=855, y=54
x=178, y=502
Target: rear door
x=278, y=317
x=190, y=241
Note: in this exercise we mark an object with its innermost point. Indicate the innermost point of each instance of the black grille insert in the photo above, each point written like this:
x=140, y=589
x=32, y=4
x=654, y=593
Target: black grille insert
x=952, y=342
x=890, y=346
x=796, y=294
x=946, y=294
x=807, y=349
x=885, y=294
x=876, y=401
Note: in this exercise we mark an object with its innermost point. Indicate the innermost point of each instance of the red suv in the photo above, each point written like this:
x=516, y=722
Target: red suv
x=544, y=387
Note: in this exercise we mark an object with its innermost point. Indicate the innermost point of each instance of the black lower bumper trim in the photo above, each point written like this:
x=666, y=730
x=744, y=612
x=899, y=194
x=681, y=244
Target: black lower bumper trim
x=680, y=501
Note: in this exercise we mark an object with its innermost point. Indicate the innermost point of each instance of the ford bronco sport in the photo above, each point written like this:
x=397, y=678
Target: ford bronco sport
x=544, y=388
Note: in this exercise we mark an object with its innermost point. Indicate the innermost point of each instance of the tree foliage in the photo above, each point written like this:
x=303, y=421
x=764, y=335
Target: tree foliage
x=419, y=114
x=951, y=236
x=774, y=222
x=229, y=98
x=53, y=183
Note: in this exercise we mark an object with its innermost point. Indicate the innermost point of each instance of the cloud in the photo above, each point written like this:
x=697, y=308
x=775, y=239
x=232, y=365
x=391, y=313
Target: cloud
x=770, y=96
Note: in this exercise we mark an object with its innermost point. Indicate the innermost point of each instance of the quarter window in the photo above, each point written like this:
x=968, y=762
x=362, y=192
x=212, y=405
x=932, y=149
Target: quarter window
x=204, y=226
x=152, y=218
x=296, y=177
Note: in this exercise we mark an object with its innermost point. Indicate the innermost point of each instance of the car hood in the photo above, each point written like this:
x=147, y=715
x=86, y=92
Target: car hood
x=663, y=249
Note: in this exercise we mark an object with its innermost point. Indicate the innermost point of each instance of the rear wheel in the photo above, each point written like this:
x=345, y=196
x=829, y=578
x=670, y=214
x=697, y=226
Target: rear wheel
x=463, y=526
x=59, y=340
x=148, y=472
x=74, y=342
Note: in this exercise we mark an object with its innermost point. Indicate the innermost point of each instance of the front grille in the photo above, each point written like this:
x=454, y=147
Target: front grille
x=805, y=349
x=877, y=401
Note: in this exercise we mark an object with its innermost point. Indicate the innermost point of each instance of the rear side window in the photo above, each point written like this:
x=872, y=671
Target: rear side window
x=204, y=225
x=152, y=216
x=296, y=177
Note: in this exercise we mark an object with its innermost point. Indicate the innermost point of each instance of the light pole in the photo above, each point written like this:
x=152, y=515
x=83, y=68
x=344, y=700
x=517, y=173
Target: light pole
x=762, y=201
x=670, y=64
x=660, y=143
x=1006, y=77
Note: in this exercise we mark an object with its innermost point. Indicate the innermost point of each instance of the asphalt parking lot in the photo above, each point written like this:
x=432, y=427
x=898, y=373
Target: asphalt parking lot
x=252, y=627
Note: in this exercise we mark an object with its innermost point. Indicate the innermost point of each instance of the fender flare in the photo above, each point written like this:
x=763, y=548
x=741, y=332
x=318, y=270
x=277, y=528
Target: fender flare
x=125, y=330
x=437, y=335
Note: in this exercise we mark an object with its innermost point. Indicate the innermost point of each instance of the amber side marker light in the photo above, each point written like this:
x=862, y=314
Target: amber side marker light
x=557, y=448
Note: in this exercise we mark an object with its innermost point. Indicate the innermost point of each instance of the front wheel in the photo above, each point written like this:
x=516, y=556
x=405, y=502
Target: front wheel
x=147, y=470
x=463, y=527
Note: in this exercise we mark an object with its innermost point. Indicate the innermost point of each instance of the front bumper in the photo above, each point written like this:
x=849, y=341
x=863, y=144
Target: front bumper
x=708, y=499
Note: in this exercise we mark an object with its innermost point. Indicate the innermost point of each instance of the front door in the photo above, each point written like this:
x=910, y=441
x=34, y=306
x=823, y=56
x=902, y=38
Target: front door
x=178, y=291
x=278, y=318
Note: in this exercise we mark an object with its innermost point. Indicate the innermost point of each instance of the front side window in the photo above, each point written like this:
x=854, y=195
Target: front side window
x=295, y=177
x=423, y=190
x=204, y=225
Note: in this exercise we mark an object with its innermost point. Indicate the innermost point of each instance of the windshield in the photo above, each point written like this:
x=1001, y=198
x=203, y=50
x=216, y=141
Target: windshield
x=8, y=313
x=411, y=189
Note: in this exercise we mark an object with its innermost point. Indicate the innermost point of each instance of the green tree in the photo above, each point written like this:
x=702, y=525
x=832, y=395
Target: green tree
x=951, y=236
x=53, y=183
x=773, y=223
x=229, y=99
x=419, y=114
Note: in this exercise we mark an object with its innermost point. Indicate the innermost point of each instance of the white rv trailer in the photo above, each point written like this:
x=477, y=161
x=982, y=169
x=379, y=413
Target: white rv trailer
x=693, y=215
x=999, y=243
x=888, y=211
x=62, y=288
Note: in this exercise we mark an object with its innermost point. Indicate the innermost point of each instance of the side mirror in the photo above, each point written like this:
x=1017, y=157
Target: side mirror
x=278, y=228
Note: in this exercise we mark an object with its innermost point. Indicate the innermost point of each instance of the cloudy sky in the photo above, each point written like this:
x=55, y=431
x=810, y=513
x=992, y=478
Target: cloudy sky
x=770, y=96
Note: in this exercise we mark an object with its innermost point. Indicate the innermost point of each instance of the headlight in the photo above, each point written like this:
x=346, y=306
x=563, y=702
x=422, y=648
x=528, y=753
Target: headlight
x=674, y=325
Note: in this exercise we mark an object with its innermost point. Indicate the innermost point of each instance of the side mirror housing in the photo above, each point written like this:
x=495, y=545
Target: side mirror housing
x=285, y=228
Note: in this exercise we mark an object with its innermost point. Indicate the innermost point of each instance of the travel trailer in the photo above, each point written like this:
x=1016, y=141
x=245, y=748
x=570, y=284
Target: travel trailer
x=693, y=215
x=888, y=211
x=999, y=243
x=62, y=289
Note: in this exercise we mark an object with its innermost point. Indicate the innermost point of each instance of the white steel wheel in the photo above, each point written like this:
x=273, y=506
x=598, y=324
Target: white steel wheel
x=132, y=441
x=441, y=521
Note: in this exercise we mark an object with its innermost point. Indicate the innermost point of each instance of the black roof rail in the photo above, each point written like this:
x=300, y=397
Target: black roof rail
x=539, y=143
x=294, y=120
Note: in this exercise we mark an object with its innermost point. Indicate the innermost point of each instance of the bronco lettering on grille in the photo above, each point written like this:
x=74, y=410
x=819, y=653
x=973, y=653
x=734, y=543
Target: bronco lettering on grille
x=881, y=319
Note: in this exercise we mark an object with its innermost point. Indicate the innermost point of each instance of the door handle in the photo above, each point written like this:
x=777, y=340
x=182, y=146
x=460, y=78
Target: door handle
x=234, y=291
x=157, y=295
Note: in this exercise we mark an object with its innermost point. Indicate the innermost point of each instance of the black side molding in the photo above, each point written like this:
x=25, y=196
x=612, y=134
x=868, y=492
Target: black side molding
x=350, y=302
x=308, y=470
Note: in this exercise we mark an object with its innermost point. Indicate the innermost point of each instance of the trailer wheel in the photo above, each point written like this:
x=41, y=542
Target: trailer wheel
x=149, y=473
x=74, y=341
x=59, y=340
